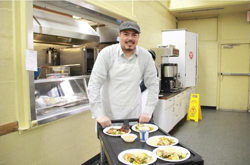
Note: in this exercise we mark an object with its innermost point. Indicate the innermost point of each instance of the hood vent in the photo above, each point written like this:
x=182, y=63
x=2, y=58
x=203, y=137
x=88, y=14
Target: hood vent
x=107, y=34
x=56, y=29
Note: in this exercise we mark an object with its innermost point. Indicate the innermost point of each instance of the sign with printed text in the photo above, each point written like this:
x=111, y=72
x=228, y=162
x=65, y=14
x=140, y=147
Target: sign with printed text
x=31, y=60
x=191, y=55
x=248, y=16
x=194, y=111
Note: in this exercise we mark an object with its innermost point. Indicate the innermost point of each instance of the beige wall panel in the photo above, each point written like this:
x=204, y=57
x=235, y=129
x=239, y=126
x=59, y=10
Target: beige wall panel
x=122, y=8
x=7, y=85
x=125, y=6
x=6, y=28
x=152, y=18
x=5, y=4
x=205, y=28
x=6, y=70
x=234, y=27
x=65, y=141
x=7, y=102
x=6, y=48
x=207, y=70
x=192, y=4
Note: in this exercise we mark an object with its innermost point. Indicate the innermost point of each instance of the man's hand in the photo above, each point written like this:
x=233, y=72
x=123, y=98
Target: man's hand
x=104, y=121
x=144, y=118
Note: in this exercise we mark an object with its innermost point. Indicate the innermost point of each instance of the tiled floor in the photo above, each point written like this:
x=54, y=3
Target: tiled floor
x=221, y=137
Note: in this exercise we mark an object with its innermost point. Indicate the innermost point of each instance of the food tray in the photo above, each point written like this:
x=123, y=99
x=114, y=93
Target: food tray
x=112, y=146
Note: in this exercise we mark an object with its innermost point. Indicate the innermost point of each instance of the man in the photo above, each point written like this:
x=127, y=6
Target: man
x=113, y=89
x=142, y=84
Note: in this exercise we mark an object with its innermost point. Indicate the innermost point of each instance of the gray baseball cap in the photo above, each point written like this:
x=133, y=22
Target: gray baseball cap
x=130, y=25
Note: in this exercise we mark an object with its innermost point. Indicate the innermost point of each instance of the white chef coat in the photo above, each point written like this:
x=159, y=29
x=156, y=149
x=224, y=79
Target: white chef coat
x=119, y=77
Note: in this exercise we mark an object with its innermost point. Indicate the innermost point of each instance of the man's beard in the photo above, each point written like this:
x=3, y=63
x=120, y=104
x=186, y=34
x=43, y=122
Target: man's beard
x=128, y=47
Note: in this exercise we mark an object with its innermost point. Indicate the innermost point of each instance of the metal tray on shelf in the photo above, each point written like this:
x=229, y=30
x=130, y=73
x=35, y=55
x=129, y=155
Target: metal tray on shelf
x=112, y=146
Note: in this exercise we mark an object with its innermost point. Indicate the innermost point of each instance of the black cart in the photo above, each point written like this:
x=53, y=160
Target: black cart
x=112, y=146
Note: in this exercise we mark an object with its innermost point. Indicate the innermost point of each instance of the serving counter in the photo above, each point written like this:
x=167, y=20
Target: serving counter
x=57, y=98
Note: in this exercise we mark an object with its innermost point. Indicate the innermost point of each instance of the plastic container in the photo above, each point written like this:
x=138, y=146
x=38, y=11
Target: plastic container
x=144, y=133
x=37, y=73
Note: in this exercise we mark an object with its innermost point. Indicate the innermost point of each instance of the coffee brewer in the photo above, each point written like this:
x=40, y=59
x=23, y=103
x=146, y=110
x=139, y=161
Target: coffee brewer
x=52, y=57
x=169, y=72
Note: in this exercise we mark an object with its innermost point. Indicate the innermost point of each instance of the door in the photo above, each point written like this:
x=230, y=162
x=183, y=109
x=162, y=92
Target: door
x=234, y=79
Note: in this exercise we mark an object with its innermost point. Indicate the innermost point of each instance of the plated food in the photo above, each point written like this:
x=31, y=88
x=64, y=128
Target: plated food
x=172, y=153
x=116, y=130
x=137, y=156
x=152, y=127
x=161, y=140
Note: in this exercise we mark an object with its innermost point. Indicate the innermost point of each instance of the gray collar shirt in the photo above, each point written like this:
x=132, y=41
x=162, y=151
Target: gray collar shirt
x=101, y=69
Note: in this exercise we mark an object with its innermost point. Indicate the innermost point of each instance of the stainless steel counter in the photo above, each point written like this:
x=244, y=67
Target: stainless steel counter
x=61, y=113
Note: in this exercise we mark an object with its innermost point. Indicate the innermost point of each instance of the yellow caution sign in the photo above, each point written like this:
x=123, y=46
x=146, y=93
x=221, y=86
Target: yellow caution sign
x=194, y=110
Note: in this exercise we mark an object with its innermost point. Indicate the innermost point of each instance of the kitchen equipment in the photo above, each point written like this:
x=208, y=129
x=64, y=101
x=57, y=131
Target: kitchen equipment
x=53, y=28
x=56, y=70
x=52, y=57
x=57, y=75
x=168, y=70
x=175, y=69
x=113, y=146
x=171, y=84
x=108, y=34
x=177, y=81
x=168, y=77
x=84, y=57
x=187, y=43
x=167, y=50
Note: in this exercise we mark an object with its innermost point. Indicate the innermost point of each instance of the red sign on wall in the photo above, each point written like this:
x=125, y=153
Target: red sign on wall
x=191, y=55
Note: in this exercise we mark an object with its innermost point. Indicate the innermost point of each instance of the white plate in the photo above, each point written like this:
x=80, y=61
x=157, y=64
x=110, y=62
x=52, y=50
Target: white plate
x=155, y=128
x=136, y=151
x=116, y=127
x=152, y=141
x=173, y=148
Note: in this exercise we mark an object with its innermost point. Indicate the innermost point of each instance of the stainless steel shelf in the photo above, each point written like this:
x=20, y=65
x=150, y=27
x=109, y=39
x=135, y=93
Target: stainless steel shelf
x=46, y=118
x=46, y=80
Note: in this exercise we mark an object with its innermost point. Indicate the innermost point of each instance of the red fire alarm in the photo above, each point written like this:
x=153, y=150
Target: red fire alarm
x=248, y=16
x=191, y=55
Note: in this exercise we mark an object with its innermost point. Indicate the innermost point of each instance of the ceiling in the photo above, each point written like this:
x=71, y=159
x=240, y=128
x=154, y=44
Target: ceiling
x=210, y=11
